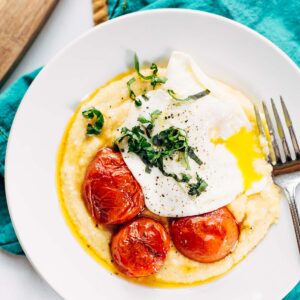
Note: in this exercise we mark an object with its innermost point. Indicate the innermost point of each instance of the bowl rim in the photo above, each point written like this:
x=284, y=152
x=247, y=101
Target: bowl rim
x=66, y=48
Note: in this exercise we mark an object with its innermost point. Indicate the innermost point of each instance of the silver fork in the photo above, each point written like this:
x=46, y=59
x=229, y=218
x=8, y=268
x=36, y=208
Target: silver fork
x=286, y=167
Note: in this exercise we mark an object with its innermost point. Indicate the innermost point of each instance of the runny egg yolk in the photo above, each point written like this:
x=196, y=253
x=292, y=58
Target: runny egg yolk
x=246, y=148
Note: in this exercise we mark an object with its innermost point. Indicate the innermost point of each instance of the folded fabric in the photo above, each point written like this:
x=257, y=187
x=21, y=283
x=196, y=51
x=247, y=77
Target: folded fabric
x=9, y=103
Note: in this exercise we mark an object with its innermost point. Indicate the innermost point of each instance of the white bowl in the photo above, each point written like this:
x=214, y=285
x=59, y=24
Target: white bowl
x=225, y=50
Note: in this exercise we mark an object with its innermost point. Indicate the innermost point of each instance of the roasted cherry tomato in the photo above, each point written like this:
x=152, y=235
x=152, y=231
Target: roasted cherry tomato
x=140, y=247
x=111, y=193
x=205, y=238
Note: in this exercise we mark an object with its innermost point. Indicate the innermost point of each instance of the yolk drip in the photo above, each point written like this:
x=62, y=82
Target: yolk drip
x=245, y=146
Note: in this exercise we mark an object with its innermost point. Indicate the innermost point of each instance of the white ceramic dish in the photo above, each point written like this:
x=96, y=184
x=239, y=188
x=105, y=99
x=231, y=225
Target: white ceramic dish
x=226, y=50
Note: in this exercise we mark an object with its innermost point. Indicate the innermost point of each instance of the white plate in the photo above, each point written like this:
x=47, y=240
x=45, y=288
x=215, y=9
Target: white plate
x=226, y=50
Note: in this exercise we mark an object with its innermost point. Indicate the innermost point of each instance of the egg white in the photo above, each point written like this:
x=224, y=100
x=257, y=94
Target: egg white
x=213, y=117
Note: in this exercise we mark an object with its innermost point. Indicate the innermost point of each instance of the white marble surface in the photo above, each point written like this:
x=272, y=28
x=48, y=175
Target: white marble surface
x=18, y=280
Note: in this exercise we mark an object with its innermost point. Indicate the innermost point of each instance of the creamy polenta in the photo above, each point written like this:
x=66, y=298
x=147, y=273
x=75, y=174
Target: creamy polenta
x=255, y=213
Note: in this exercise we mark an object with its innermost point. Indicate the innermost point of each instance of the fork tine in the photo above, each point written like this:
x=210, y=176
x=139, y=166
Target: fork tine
x=289, y=124
x=259, y=121
x=281, y=132
x=273, y=145
x=262, y=132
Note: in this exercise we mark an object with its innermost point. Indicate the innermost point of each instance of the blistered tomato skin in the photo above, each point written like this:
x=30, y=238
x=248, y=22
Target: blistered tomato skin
x=140, y=247
x=110, y=192
x=205, y=238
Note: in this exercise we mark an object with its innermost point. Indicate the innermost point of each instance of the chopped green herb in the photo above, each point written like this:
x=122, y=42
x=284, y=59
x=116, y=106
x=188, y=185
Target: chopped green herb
x=192, y=97
x=195, y=189
x=150, y=123
x=138, y=102
x=186, y=177
x=94, y=114
x=143, y=120
x=145, y=97
x=154, y=68
x=155, y=114
x=175, y=140
x=131, y=92
x=154, y=79
x=153, y=150
x=191, y=153
x=139, y=144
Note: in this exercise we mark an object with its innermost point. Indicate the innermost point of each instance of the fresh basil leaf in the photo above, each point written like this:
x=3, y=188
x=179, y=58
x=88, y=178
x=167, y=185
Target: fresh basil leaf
x=131, y=92
x=192, y=97
x=145, y=97
x=195, y=189
x=154, y=68
x=186, y=177
x=143, y=120
x=154, y=150
x=191, y=153
x=154, y=115
x=138, y=102
x=154, y=79
x=95, y=127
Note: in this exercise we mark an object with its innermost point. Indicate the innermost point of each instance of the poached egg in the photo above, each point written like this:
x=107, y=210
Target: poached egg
x=220, y=133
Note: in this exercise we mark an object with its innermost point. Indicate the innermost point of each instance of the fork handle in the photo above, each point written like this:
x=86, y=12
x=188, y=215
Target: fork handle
x=290, y=193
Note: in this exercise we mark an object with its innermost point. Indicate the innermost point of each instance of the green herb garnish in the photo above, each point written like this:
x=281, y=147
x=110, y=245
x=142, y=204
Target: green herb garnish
x=191, y=153
x=154, y=79
x=186, y=177
x=145, y=97
x=138, y=102
x=96, y=116
x=195, y=189
x=139, y=144
x=132, y=94
x=192, y=97
x=152, y=150
x=175, y=140
x=154, y=115
x=149, y=124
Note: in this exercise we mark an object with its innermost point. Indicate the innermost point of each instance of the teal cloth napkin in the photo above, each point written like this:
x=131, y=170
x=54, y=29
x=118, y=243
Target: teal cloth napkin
x=9, y=102
x=278, y=20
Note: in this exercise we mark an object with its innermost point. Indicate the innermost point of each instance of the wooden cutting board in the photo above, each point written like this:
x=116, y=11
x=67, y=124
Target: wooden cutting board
x=20, y=22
